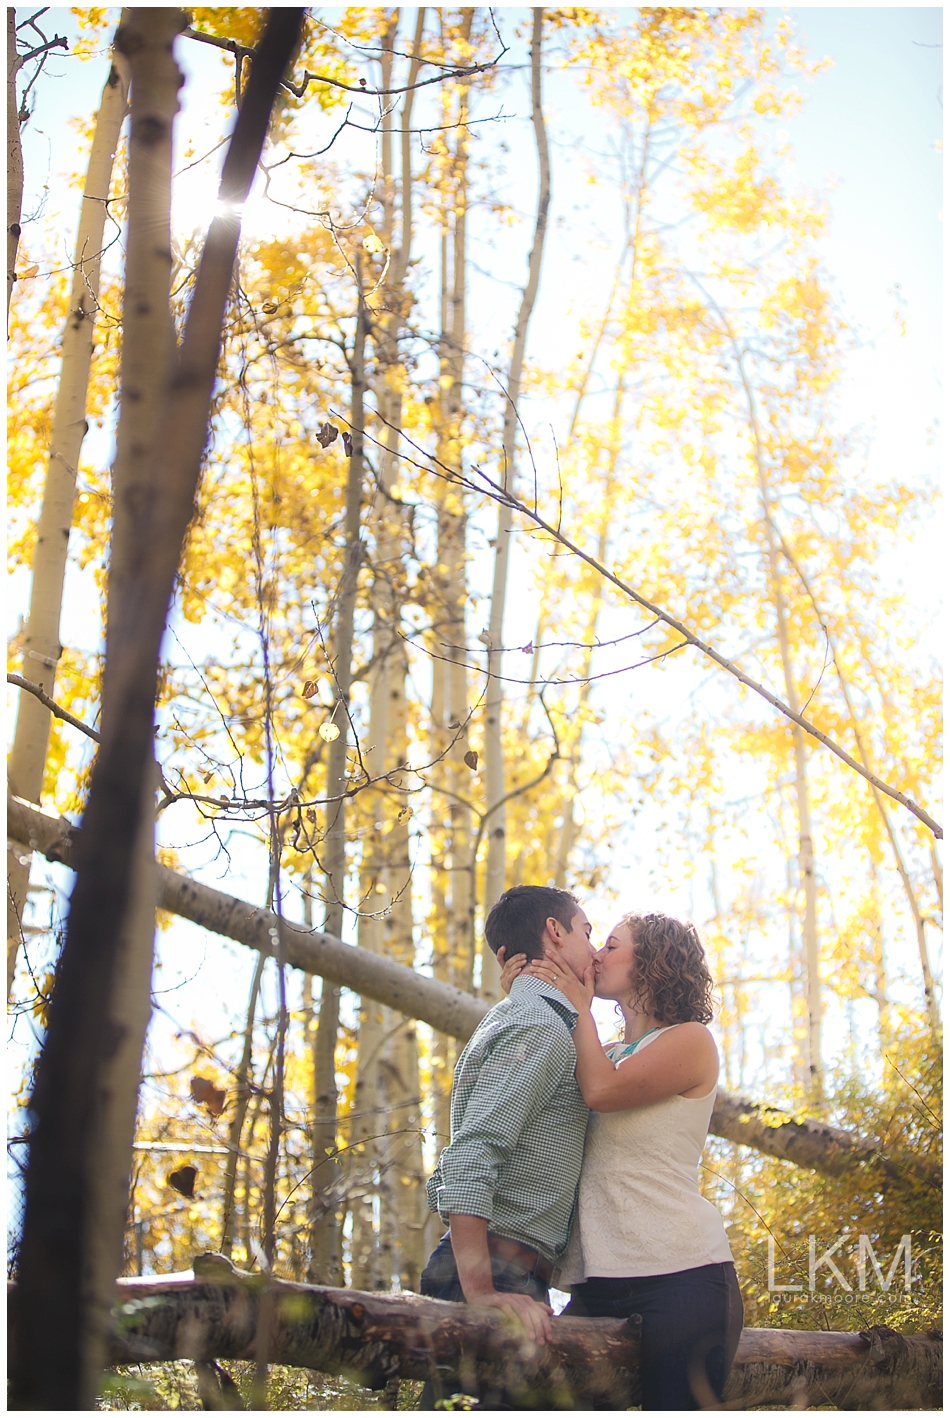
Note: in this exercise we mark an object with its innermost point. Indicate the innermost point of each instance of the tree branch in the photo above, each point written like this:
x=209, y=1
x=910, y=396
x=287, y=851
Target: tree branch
x=55, y=709
x=497, y=493
x=242, y=51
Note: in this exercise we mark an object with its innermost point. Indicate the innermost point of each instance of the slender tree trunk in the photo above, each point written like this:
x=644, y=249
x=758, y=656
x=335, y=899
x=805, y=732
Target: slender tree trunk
x=937, y=868
x=326, y=1255
x=494, y=700
x=385, y=1128
x=806, y=853
x=930, y=1002
x=236, y=1128
x=14, y=155
x=42, y=647
x=451, y=835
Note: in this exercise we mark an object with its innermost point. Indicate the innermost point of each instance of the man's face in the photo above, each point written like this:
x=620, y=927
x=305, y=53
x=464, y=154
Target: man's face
x=573, y=943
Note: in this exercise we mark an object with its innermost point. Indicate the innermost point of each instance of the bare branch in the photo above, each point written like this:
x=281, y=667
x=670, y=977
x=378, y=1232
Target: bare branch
x=484, y=484
x=242, y=51
x=56, y=709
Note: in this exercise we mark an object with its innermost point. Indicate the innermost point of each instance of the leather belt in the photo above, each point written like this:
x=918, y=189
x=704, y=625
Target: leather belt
x=502, y=1248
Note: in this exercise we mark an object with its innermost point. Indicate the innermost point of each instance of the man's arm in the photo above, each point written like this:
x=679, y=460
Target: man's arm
x=473, y=1262
x=518, y=1077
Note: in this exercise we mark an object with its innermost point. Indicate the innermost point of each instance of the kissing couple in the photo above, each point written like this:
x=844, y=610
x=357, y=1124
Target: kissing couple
x=574, y=1164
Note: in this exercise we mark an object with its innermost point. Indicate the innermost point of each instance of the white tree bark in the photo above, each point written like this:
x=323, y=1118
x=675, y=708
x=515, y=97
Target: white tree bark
x=42, y=648
x=384, y=1135
x=806, y=851
x=930, y=1001
x=326, y=1256
x=494, y=699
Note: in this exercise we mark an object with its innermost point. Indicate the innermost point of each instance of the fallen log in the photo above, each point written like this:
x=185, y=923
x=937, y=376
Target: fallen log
x=805, y=1142
x=216, y=1312
x=447, y=1009
x=808, y=1142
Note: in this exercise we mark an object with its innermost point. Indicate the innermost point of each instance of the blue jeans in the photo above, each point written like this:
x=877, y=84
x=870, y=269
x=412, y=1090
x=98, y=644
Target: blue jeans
x=692, y=1322
x=440, y=1281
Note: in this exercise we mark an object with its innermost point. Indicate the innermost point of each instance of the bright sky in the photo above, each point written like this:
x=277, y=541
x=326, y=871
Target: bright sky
x=866, y=137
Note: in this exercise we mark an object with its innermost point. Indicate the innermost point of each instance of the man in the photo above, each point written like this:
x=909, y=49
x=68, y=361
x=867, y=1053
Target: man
x=506, y=1184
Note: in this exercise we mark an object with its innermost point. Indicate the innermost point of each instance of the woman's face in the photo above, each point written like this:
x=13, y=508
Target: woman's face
x=614, y=965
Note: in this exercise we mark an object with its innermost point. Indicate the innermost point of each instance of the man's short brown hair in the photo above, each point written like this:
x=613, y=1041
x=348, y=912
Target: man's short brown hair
x=517, y=919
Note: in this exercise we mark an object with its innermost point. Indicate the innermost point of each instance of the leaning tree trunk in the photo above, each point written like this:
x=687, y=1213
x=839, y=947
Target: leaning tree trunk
x=63, y=1189
x=41, y=644
x=806, y=1142
x=494, y=696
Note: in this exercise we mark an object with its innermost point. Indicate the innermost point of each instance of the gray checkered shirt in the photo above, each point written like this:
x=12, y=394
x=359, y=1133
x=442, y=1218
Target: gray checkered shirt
x=518, y=1122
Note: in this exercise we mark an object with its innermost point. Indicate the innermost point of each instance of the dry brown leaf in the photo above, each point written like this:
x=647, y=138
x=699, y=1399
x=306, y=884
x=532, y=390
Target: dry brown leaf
x=204, y=1091
x=183, y=1180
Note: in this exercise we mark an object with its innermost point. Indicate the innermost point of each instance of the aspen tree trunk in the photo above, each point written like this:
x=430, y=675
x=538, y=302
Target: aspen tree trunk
x=365, y=1155
x=14, y=155
x=403, y=1209
x=144, y=49
x=494, y=701
x=453, y=871
x=937, y=868
x=387, y=1096
x=236, y=1128
x=806, y=854
x=884, y=1029
x=42, y=647
x=567, y=834
x=568, y=826
x=326, y=1258
x=930, y=1002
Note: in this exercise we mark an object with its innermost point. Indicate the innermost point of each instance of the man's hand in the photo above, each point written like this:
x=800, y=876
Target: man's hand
x=532, y=1314
x=473, y=1261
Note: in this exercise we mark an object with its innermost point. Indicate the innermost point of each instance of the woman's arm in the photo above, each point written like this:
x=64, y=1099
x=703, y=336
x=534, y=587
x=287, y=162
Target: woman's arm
x=682, y=1059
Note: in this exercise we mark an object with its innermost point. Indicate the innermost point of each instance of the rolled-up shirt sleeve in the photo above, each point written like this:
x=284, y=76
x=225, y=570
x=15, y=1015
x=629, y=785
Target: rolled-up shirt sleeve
x=522, y=1072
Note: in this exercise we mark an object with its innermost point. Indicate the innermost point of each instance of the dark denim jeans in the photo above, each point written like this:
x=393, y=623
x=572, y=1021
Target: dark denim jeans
x=692, y=1322
x=440, y=1281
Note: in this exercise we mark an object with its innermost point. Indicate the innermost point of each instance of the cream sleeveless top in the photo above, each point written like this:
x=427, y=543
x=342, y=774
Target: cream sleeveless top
x=639, y=1207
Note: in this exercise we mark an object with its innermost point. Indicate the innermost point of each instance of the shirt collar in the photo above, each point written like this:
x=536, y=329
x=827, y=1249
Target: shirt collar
x=530, y=985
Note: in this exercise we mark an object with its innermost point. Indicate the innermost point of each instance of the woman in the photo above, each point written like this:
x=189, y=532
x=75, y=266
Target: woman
x=645, y=1241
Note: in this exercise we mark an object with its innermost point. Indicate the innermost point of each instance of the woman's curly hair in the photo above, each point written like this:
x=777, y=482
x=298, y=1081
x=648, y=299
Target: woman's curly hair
x=671, y=976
